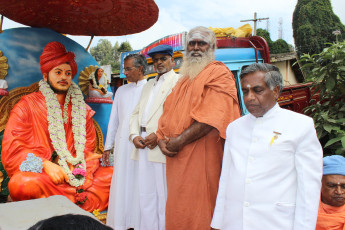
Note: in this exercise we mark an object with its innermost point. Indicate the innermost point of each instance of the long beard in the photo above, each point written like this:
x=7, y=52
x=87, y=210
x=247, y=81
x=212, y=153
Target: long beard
x=192, y=66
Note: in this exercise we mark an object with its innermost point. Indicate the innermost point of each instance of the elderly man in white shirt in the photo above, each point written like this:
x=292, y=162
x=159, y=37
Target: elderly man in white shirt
x=272, y=164
x=143, y=126
x=123, y=209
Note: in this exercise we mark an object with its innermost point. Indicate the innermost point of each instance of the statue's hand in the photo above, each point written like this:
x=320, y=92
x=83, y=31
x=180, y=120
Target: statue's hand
x=55, y=172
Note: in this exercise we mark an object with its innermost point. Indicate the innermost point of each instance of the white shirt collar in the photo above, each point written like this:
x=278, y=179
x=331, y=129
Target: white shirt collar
x=140, y=82
x=162, y=77
x=268, y=114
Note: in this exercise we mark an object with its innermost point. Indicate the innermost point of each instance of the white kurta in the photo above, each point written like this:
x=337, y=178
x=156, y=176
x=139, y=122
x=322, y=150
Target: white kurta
x=152, y=175
x=266, y=186
x=123, y=210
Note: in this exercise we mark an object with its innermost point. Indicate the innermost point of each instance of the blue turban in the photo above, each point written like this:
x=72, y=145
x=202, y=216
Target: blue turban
x=161, y=49
x=334, y=165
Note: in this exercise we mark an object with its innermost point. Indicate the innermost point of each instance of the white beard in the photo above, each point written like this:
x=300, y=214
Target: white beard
x=192, y=66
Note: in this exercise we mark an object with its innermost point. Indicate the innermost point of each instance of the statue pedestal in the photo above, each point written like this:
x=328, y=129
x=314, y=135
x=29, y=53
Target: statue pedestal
x=23, y=214
x=3, y=92
x=98, y=100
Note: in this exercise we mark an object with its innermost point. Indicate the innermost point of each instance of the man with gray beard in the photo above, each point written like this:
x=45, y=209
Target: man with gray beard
x=191, y=132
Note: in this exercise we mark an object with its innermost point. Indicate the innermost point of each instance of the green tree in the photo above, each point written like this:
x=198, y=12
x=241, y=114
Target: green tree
x=313, y=23
x=106, y=54
x=327, y=71
x=266, y=35
x=102, y=52
x=125, y=47
x=276, y=47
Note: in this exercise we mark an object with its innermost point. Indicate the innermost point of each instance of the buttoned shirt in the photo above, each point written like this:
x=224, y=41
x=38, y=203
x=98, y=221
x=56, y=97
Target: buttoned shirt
x=271, y=173
x=153, y=94
x=125, y=100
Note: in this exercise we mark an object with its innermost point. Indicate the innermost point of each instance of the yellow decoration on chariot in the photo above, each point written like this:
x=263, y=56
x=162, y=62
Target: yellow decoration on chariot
x=84, y=78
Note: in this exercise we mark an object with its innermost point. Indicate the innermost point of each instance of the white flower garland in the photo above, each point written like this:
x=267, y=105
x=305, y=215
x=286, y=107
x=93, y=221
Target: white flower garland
x=57, y=130
x=94, y=84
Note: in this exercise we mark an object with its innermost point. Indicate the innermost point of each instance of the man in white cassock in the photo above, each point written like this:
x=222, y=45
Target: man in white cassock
x=272, y=163
x=143, y=126
x=123, y=209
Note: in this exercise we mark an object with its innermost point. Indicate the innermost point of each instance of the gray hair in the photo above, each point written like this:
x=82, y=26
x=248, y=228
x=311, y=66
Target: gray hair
x=206, y=32
x=273, y=77
x=139, y=60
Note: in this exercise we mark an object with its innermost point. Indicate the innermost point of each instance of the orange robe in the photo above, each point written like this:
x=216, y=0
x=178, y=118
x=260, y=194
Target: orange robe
x=330, y=217
x=27, y=132
x=193, y=174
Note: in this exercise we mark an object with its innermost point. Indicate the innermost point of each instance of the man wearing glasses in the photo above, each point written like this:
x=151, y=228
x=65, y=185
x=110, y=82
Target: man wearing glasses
x=123, y=210
x=143, y=127
x=191, y=132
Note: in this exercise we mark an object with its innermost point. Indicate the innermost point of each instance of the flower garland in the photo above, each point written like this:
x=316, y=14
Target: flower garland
x=94, y=83
x=80, y=195
x=57, y=131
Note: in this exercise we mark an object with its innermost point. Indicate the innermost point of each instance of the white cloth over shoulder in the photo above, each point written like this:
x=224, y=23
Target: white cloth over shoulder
x=3, y=84
x=271, y=173
x=123, y=210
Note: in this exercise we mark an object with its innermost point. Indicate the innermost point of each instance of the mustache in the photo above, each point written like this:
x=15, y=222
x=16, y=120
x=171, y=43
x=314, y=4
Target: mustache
x=62, y=81
x=196, y=52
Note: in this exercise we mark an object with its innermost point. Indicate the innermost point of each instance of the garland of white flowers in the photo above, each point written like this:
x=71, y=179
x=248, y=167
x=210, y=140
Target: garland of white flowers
x=57, y=130
x=94, y=83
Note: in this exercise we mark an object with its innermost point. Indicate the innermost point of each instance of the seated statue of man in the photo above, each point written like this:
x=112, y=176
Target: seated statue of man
x=49, y=140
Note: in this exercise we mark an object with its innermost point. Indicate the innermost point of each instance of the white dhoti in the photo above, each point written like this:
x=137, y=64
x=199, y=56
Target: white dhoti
x=153, y=192
x=95, y=93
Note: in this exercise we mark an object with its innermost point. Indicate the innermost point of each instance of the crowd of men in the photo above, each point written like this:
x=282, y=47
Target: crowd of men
x=184, y=157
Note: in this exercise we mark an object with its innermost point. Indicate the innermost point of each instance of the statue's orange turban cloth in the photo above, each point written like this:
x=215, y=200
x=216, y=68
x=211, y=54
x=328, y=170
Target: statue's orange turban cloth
x=55, y=54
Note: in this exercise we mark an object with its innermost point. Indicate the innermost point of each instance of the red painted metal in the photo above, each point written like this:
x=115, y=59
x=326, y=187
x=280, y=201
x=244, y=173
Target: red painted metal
x=262, y=46
x=83, y=17
x=297, y=97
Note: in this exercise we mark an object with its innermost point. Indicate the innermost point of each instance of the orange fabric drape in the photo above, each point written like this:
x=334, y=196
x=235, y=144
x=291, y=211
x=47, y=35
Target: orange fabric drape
x=27, y=132
x=193, y=174
x=330, y=217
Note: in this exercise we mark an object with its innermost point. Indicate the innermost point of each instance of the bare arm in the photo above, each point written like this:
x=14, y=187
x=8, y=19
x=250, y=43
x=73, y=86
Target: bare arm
x=194, y=132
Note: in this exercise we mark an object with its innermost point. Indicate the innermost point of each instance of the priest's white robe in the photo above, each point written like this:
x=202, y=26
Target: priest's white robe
x=123, y=209
x=271, y=173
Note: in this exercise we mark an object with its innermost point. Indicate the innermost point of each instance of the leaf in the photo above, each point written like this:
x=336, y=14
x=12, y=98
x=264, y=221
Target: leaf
x=328, y=127
x=332, y=120
x=342, y=120
x=343, y=141
x=341, y=68
x=306, y=65
x=332, y=141
x=330, y=83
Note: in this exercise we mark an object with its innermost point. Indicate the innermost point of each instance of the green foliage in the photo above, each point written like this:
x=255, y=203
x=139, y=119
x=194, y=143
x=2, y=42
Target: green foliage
x=125, y=47
x=280, y=46
x=106, y=54
x=313, y=23
x=327, y=71
x=276, y=47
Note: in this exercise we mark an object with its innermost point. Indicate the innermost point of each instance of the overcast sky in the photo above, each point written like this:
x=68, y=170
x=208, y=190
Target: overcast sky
x=181, y=15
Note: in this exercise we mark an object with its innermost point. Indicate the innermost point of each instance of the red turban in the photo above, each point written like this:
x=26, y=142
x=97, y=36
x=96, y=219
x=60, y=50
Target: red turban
x=55, y=54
